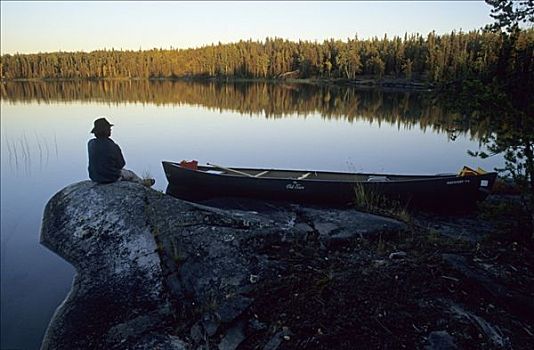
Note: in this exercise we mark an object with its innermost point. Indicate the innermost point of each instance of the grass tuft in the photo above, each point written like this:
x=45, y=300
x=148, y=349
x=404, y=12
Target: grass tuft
x=372, y=202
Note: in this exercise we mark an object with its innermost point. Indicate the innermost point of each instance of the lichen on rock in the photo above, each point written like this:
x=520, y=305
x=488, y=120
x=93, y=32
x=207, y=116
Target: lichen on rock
x=118, y=295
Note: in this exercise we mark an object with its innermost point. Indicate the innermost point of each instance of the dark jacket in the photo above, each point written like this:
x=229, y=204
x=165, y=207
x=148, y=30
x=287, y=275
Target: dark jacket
x=105, y=160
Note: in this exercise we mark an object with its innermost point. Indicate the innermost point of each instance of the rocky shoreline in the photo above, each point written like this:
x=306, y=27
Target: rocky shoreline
x=157, y=272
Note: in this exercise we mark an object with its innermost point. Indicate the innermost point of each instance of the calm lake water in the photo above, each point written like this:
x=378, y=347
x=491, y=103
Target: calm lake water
x=45, y=128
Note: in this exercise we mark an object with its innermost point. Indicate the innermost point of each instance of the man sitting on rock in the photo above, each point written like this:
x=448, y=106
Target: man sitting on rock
x=105, y=158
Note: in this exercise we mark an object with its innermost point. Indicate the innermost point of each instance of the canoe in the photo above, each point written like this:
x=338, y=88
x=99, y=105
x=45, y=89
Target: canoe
x=324, y=187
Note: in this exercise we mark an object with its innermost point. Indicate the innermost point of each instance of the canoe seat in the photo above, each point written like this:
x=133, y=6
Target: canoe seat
x=303, y=176
x=262, y=173
x=377, y=179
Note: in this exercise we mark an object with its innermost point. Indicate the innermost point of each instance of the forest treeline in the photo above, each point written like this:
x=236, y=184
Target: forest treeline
x=433, y=58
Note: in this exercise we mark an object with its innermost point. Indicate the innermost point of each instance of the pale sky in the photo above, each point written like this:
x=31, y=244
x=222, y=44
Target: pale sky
x=42, y=26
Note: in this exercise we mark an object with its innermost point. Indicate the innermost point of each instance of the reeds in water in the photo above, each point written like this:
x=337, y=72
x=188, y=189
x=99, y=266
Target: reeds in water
x=22, y=152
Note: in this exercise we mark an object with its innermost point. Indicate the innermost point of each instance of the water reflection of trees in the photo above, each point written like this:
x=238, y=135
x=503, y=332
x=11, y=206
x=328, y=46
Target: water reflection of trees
x=406, y=110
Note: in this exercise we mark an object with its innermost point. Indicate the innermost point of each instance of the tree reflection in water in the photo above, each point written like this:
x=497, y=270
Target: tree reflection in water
x=271, y=100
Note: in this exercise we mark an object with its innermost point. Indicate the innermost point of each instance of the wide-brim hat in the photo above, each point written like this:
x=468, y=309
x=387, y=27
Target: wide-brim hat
x=101, y=124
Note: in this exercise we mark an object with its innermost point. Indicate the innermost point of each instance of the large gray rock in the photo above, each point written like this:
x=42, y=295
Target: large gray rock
x=154, y=271
x=118, y=295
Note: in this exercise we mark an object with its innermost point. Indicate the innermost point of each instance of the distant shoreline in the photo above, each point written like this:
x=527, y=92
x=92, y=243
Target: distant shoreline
x=363, y=82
